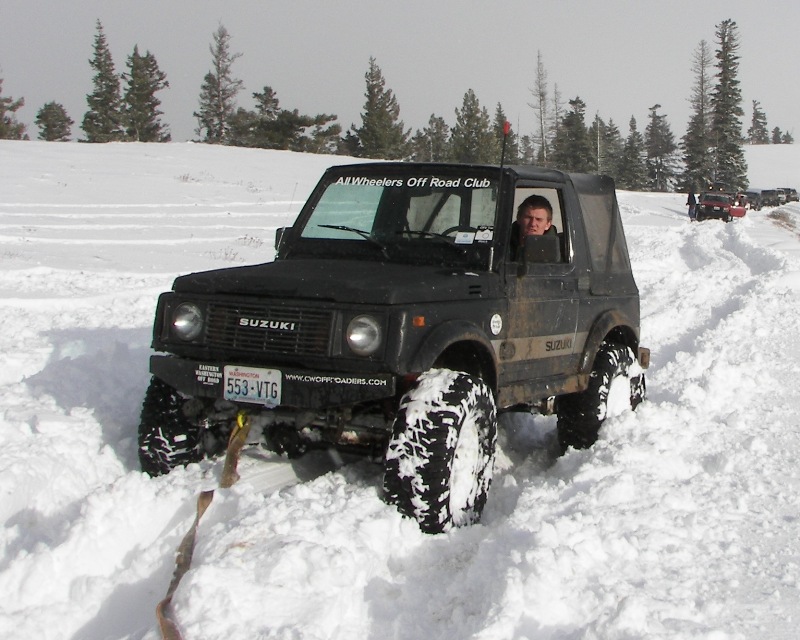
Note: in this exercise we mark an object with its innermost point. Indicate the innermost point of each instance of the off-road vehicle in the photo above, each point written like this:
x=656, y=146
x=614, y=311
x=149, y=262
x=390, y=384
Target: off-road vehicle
x=752, y=199
x=396, y=321
x=770, y=198
x=718, y=205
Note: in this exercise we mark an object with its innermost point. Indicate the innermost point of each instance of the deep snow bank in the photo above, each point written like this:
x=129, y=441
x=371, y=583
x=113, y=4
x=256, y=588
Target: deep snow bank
x=679, y=523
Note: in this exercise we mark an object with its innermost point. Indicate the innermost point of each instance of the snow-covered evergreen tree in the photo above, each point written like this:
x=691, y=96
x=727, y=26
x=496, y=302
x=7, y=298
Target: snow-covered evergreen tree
x=696, y=143
x=758, y=133
x=54, y=123
x=726, y=102
x=218, y=91
x=631, y=170
x=140, y=104
x=659, y=143
x=103, y=121
x=608, y=143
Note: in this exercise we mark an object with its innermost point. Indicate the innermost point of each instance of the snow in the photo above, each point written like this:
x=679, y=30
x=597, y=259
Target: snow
x=681, y=522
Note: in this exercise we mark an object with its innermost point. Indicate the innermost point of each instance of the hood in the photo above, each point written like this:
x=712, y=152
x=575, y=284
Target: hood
x=346, y=281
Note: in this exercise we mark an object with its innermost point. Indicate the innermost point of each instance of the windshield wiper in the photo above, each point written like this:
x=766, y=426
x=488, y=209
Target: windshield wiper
x=440, y=238
x=364, y=234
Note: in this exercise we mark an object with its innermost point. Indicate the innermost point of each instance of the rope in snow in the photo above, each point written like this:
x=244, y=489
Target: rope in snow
x=183, y=560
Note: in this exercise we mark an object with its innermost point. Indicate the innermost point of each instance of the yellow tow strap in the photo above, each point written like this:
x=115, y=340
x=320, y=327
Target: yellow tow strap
x=183, y=560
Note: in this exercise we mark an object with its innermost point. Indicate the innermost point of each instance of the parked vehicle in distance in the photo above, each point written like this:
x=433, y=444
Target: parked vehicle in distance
x=791, y=194
x=752, y=199
x=770, y=198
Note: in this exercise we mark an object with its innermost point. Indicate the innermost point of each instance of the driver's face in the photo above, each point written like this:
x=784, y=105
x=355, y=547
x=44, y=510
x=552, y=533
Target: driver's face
x=533, y=222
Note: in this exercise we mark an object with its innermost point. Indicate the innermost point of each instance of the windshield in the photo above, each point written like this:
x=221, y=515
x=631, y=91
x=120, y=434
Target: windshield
x=423, y=218
x=716, y=197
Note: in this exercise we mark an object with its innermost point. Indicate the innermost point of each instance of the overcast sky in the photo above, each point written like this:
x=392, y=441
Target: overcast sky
x=620, y=56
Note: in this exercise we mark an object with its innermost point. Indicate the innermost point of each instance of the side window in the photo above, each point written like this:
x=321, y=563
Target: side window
x=553, y=196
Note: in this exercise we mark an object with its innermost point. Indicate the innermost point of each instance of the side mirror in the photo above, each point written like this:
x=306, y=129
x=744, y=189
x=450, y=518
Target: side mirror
x=542, y=249
x=280, y=234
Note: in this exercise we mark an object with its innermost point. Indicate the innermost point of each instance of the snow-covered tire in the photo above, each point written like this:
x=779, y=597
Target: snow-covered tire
x=615, y=374
x=440, y=459
x=167, y=439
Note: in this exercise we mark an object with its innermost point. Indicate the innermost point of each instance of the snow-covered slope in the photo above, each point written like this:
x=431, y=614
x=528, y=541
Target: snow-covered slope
x=682, y=522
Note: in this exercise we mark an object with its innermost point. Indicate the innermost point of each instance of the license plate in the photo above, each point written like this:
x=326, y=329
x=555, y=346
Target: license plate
x=250, y=384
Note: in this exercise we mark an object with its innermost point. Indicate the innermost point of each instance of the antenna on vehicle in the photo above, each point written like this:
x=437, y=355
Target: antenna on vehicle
x=506, y=131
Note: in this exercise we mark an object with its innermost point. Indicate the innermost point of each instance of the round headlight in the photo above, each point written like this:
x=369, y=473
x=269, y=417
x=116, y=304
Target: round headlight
x=187, y=321
x=364, y=335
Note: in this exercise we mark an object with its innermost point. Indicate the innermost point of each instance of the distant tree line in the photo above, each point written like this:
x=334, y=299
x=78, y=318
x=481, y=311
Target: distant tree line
x=124, y=107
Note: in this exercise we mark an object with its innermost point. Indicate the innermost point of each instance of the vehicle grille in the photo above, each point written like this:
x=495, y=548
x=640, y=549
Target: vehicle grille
x=280, y=330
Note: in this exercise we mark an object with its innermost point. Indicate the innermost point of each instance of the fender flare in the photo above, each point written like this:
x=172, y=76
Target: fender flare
x=608, y=322
x=448, y=334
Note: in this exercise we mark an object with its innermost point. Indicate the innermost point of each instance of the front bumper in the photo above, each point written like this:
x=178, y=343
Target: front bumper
x=713, y=213
x=298, y=388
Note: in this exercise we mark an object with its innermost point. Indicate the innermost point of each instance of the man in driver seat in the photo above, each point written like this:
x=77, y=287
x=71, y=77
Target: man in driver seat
x=534, y=218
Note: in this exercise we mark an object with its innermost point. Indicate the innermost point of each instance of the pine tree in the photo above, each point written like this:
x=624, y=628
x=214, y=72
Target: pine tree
x=726, y=102
x=511, y=142
x=572, y=149
x=257, y=128
x=270, y=127
x=103, y=121
x=758, y=132
x=631, y=170
x=54, y=123
x=660, y=146
x=787, y=138
x=325, y=135
x=432, y=144
x=696, y=143
x=350, y=145
x=472, y=138
x=140, y=104
x=595, y=133
x=609, y=145
x=381, y=134
x=10, y=129
x=527, y=152
x=218, y=91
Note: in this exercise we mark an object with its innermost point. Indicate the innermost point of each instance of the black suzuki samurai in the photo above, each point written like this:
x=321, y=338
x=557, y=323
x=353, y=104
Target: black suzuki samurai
x=395, y=321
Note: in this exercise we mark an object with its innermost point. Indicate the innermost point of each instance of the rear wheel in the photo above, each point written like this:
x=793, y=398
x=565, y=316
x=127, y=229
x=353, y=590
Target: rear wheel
x=616, y=383
x=440, y=458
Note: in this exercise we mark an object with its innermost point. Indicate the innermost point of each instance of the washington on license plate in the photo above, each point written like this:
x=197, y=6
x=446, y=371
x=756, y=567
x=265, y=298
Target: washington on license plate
x=250, y=384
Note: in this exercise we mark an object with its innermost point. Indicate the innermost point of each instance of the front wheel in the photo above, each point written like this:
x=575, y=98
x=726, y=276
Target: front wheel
x=440, y=459
x=167, y=438
x=616, y=383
